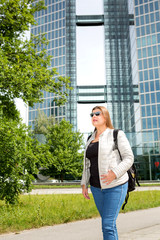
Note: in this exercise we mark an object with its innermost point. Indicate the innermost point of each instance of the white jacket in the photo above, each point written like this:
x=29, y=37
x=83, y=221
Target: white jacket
x=109, y=159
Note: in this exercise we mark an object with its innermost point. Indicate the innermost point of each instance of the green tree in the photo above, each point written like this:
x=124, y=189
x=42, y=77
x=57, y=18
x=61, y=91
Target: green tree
x=20, y=157
x=42, y=123
x=66, y=149
x=24, y=63
x=24, y=73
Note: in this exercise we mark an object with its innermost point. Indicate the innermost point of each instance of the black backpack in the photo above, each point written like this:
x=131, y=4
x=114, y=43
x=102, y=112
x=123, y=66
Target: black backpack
x=132, y=173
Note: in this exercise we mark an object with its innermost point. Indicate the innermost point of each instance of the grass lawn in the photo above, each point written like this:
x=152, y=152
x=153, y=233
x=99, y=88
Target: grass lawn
x=34, y=211
x=78, y=186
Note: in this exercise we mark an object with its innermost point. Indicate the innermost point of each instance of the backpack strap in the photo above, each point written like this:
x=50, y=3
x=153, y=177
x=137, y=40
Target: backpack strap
x=115, y=135
x=126, y=200
x=89, y=137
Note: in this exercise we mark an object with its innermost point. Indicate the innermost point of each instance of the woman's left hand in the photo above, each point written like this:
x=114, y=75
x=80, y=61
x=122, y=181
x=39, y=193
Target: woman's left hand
x=109, y=177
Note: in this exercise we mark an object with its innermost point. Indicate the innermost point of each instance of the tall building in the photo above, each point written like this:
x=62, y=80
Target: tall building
x=59, y=21
x=52, y=21
x=131, y=89
x=147, y=28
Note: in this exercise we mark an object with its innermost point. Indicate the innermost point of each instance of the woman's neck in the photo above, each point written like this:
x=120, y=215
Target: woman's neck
x=100, y=130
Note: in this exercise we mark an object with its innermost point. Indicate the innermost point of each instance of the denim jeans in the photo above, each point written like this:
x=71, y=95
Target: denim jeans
x=109, y=202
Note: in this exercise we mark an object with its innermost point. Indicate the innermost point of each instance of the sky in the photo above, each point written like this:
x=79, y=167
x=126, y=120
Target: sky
x=90, y=61
x=90, y=58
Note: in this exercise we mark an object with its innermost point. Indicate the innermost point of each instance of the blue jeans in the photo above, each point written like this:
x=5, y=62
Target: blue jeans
x=109, y=202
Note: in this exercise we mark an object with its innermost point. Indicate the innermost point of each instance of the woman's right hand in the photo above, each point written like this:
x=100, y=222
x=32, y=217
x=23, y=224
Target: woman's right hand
x=85, y=192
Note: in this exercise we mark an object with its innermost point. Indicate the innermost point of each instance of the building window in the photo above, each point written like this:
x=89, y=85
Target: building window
x=149, y=51
x=158, y=27
x=154, y=110
x=151, y=74
x=143, y=111
x=137, y=21
x=138, y=32
x=149, y=124
x=158, y=96
x=144, y=123
x=142, y=99
x=146, y=87
x=139, y=53
x=148, y=29
x=143, y=42
x=157, y=85
x=157, y=16
x=152, y=17
x=154, y=122
x=151, y=7
x=148, y=40
x=142, y=20
x=156, y=5
x=158, y=108
x=140, y=76
x=150, y=62
x=152, y=86
x=156, y=73
x=153, y=30
x=138, y=42
x=141, y=9
x=152, y=97
x=147, y=99
x=144, y=53
x=141, y=88
x=145, y=63
x=146, y=8
x=136, y=11
x=148, y=111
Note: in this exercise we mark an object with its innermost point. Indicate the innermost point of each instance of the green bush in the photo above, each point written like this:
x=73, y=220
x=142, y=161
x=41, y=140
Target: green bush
x=20, y=157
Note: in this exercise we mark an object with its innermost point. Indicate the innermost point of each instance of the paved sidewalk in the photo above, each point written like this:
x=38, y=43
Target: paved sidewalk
x=137, y=225
x=79, y=190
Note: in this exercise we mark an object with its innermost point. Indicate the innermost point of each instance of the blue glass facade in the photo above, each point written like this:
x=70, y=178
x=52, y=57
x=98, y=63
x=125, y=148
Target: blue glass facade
x=58, y=22
x=147, y=24
x=146, y=72
x=132, y=66
x=52, y=22
x=118, y=63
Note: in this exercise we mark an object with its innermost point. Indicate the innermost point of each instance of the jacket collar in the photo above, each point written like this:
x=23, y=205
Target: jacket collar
x=108, y=130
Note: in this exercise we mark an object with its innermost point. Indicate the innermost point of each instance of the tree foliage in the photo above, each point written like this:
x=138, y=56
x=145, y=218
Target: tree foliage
x=25, y=74
x=24, y=63
x=20, y=158
x=66, y=149
x=42, y=123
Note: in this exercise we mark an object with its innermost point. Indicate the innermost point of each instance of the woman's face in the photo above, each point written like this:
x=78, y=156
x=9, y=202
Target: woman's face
x=98, y=119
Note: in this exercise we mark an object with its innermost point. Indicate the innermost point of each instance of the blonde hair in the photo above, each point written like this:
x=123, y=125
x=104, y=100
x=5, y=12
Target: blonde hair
x=106, y=115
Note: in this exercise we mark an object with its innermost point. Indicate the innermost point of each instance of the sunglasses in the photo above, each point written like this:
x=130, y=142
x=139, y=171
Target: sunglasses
x=95, y=113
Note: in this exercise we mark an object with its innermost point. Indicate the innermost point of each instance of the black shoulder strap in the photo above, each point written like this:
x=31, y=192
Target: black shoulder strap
x=115, y=135
x=89, y=137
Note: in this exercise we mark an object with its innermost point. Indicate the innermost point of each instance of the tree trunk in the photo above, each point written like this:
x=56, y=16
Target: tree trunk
x=62, y=177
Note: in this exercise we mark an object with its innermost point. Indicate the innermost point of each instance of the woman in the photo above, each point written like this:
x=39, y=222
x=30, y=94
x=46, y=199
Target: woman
x=105, y=172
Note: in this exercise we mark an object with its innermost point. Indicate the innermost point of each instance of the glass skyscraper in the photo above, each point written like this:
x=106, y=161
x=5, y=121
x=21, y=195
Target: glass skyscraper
x=147, y=24
x=59, y=22
x=131, y=91
x=147, y=27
